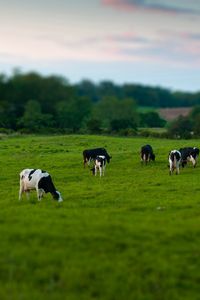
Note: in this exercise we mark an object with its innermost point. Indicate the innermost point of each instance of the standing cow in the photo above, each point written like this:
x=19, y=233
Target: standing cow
x=41, y=181
x=174, y=161
x=189, y=154
x=147, y=154
x=99, y=164
x=91, y=154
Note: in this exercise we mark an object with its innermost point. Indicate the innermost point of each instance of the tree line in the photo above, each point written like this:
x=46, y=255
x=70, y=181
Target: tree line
x=33, y=103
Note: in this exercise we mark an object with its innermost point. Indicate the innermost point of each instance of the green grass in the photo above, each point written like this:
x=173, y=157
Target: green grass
x=133, y=234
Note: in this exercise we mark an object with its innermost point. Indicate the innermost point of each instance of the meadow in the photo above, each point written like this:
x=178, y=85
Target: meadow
x=132, y=234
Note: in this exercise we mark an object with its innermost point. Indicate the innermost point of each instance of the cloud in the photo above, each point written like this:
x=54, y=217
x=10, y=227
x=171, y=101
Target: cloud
x=128, y=37
x=175, y=48
x=184, y=37
x=152, y=5
x=168, y=47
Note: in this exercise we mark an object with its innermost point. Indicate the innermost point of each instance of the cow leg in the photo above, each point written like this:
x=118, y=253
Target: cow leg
x=84, y=162
x=21, y=188
x=39, y=194
x=95, y=170
x=193, y=160
x=177, y=169
x=103, y=170
x=100, y=171
x=28, y=195
x=20, y=193
x=170, y=168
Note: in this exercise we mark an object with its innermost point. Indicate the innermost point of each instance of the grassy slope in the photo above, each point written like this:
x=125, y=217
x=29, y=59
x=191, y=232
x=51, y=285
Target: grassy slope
x=133, y=234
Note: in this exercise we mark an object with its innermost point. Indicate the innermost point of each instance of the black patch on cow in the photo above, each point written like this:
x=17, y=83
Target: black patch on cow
x=194, y=152
x=91, y=154
x=177, y=155
x=30, y=174
x=101, y=160
x=174, y=155
x=148, y=152
x=187, y=152
x=47, y=185
x=43, y=171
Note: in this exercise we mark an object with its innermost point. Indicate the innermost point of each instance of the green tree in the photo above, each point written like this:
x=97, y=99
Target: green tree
x=7, y=115
x=118, y=124
x=93, y=125
x=71, y=113
x=33, y=119
x=151, y=119
x=180, y=128
x=111, y=111
x=195, y=119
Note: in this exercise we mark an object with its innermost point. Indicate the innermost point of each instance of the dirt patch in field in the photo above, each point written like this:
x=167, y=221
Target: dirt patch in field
x=170, y=114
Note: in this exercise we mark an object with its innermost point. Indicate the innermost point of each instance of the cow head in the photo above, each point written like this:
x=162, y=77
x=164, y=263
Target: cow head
x=57, y=196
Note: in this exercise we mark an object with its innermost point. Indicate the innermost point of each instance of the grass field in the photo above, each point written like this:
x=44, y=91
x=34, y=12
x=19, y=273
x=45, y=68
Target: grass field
x=133, y=234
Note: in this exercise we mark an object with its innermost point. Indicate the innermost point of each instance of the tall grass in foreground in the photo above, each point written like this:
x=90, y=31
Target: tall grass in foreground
x=133, y=234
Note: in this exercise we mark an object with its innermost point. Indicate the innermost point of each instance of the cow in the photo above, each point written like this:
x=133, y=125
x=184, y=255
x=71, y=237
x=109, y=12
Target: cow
x=99, y=164
x=174, y=161
x=39, y=180
x=147, y=154
x=91, y=154
x=189, y=154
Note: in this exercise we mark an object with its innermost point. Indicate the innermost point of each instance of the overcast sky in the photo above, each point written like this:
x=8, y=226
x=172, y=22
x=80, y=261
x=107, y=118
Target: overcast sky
x=151, y=42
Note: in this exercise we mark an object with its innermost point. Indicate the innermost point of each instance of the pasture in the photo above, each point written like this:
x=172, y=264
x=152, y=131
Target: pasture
x=132, y=234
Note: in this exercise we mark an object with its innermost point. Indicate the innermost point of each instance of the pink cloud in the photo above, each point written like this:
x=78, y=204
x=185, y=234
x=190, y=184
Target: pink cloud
x=133, y=5
x=120, y=4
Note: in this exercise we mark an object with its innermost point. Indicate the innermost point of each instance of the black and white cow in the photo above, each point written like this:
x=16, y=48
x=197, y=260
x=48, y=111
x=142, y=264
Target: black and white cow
x=99, y=164
x=189, y=154
x=91, y=154
x=174, y=161
x=147, y=154
x=41, y=181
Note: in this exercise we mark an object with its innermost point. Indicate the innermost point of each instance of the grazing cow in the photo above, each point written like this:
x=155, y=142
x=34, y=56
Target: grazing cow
x=147, y=154
x=41, y=181
x=99, y=164
x=91, y=154
x=174, y=161
x=189, y=154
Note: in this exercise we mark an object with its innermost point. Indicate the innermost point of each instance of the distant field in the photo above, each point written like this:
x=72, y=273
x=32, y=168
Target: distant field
x=170, y=114
x=133, y=234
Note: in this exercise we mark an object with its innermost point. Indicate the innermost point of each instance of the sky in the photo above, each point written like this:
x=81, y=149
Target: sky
x=148, y=42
